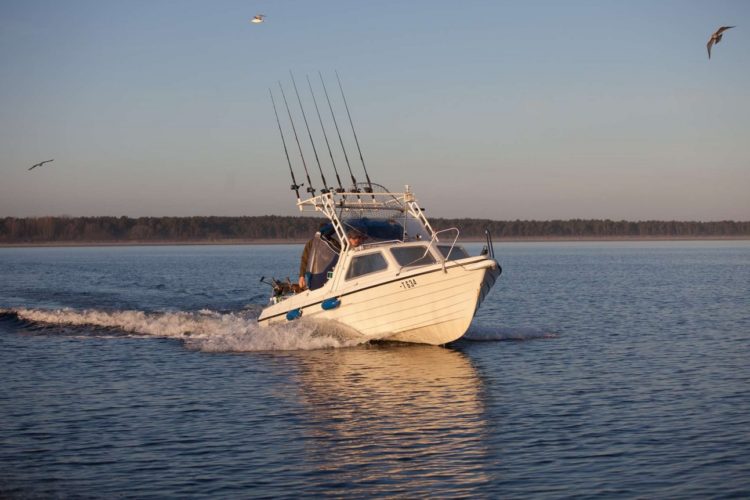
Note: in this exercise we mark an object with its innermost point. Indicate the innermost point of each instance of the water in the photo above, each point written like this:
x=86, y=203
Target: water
x=592, y=370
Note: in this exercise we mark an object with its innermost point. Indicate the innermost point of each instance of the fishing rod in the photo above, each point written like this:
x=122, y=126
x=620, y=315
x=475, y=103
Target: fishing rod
x=310, y=188
x=330, y=153
x=338, y=132
x=315, y=151
x=369, y=184
x=295, y=186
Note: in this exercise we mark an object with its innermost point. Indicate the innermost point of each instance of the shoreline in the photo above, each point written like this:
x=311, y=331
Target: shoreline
x=530, y=239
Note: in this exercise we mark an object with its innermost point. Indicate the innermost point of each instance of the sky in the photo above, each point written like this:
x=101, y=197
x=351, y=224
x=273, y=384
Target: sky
x=593, y=109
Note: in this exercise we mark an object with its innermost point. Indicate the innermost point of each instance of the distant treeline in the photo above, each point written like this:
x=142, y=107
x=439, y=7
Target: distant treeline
x=270, y=227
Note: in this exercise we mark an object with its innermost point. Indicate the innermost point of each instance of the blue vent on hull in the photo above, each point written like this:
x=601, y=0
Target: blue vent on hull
x=293, y=314
x=331, y=303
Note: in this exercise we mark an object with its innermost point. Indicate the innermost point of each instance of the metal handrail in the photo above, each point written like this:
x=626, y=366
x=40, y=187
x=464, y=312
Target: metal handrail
x=490, y=246
x=453, y=244
x=432, y=244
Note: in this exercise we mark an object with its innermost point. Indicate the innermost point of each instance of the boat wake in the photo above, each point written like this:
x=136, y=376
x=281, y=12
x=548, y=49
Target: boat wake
x=205, y=330
x=486, y=333
x=212, y=331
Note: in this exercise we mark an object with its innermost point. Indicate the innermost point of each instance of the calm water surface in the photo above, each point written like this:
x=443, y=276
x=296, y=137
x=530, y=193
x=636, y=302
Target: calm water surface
x=593, y=370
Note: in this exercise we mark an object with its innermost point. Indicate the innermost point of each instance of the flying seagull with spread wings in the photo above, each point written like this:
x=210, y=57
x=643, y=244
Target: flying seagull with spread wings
x=41, y=163
x=258, y=19
x=716, y=38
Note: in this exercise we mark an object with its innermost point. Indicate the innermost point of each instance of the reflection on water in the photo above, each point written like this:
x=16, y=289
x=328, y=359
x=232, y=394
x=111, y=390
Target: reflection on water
x=391, y=419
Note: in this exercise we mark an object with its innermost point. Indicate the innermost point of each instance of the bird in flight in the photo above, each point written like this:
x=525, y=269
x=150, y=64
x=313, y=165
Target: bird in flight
x=41, y=163
x=716, y=38
x=258, y=19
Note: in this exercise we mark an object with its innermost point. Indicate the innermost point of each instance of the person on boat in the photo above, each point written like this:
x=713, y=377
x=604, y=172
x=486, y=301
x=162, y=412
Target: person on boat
x=320, y=255
x=355, y=237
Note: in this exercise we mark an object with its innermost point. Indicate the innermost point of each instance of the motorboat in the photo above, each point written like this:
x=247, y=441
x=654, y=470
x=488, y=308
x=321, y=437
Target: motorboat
x=400, y=280
x=405, y=282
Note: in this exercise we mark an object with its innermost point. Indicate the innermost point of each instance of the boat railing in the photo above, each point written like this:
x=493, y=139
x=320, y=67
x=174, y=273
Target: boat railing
x=435, y=240
x=489, y=247
x=433, y=244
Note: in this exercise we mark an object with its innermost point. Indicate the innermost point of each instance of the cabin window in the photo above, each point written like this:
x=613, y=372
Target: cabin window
x=455, y=254
x=366, y=264
x=413, y=256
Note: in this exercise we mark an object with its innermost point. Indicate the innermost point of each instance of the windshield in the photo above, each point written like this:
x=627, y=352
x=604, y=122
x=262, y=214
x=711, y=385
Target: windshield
x=455, y=254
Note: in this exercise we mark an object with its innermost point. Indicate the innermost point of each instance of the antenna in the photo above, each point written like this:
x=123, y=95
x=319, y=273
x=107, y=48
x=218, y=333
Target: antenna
x=310, y=188
x=295, y=187
x=315, y=151
x=369, y=184
x=330, y=153
x=333, y=115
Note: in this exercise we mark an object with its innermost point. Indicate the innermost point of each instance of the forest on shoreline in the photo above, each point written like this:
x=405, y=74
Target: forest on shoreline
x=115, y=230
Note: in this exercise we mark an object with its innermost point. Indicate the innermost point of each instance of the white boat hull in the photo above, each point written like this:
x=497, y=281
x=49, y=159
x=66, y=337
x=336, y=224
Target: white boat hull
x=427, y=305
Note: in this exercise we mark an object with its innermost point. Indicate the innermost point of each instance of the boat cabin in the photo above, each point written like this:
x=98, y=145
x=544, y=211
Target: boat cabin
x=371, y=259
x=384, y=246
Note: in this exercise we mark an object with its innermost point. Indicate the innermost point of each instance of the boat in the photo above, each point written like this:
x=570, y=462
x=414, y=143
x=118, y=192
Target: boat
x=400, y=281
x=405, y=283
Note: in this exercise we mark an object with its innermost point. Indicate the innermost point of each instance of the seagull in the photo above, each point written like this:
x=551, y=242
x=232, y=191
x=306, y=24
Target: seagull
x=258, y=19
x=716, y=38
x=41, y=163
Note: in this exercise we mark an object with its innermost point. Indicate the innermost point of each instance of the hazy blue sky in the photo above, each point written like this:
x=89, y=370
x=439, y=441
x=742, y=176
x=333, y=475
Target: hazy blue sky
x=504, y=110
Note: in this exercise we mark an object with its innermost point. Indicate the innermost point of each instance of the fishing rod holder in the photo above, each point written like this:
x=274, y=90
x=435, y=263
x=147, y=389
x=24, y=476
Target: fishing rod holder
x=400, y=207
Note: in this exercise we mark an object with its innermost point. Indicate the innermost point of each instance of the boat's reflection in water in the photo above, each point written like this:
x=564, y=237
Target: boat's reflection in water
x=390, y=419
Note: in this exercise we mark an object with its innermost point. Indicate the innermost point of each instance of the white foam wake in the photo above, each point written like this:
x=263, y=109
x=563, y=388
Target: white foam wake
x=204, y=330
x=486, y=333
